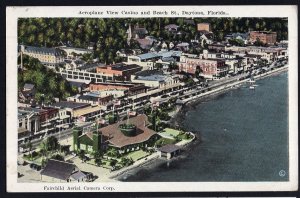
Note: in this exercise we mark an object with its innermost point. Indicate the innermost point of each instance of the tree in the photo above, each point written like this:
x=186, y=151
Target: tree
x=113, y=163
x=98, y=156
x=112, y=152
x=82, y=155
x=44, y=148
x=125, y=161
x=52, y=143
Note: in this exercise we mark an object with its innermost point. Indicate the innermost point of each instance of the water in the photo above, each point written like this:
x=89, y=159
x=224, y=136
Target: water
x=244, y=137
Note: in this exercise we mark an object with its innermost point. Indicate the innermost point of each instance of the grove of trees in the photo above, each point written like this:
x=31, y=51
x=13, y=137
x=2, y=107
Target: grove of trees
x=48, y=84
x=109, y=34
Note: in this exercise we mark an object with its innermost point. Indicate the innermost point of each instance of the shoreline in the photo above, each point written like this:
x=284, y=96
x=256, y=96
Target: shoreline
x=232, y=85
x=178, y=111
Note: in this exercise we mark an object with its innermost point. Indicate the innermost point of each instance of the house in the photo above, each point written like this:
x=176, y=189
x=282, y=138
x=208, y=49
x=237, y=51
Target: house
x=263, y=36
x=50, y=57
x=60, y=171
x=120, y=71
x=183, y=46
x=136, y=33
x=80, y=86
x=113, y=135
x=171, y=28
x=73, y=64
x=206, y=37
x=27, y=93
x=239, y=36
x=128, y=52
x=168, y=151
x=204, y=27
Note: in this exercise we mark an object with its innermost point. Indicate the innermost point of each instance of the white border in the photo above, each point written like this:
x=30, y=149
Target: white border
x=13, y=13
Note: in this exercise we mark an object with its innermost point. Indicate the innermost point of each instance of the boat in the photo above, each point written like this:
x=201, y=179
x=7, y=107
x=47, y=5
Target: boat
x=252, y=87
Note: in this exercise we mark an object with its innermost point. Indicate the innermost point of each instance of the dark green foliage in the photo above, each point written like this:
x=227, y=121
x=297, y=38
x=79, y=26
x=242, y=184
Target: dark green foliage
x=58, y=157
x=81, y=155
x=109, y=34
x=125, y=161
x=48, y=84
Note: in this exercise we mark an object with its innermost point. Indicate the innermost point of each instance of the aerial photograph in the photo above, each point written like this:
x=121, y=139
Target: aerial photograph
x=152, y=99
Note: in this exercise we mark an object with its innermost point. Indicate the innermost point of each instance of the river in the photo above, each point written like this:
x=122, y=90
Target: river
x=244, y=137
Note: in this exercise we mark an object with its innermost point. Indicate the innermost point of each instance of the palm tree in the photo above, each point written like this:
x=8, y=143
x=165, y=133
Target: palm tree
x=112, y=152
x=44, y=149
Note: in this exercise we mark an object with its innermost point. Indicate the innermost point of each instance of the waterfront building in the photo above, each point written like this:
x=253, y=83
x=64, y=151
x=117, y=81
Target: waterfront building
x=120, y=71
x=212, y=68
x=263, y=36
x=155, y=79
x=168, y=151
x=76, y=110
x=94, y=98
x=124, y=140
x=270, y=53
x=129, y=88
x=50, y=57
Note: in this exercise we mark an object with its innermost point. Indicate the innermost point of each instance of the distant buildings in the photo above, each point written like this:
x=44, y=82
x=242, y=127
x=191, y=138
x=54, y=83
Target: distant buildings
x=263, y=36
x=35, y=121
x=130, y=88
x=212, y=68
x=239, y=36
x=171, y=28
x=120, y=71
x=72, y=51
x=154, y=79
x=50, y=57
x=204, y=27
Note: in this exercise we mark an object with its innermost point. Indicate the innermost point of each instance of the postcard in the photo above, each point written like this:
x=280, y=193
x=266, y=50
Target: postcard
x=152, y=98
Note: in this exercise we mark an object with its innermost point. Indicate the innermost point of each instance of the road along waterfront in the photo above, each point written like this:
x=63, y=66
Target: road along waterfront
x=241, y=131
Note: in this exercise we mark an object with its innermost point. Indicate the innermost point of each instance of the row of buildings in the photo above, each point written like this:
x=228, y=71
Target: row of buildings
x=139, y=77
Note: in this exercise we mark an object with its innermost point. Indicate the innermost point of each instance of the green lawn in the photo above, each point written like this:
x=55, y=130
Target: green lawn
x=171, y=132
x=164, y=141
x=136, y=155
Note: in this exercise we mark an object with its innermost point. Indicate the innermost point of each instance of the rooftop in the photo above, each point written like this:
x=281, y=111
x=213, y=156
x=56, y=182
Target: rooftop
x=123, y=67
x=148, y=56
x=118, y=139
x=58, y=169
x=169, y=148
x=71, y=105
x=43, y=50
